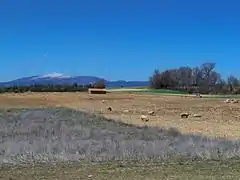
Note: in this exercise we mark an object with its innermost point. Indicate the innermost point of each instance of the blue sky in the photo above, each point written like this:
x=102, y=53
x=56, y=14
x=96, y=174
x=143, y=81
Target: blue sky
x=117, y=39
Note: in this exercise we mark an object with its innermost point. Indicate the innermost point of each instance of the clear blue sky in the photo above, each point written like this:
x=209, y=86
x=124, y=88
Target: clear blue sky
x=117, y=39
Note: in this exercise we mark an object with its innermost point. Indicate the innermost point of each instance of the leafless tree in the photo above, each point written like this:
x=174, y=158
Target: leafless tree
x=203, y=79
x=233, y=83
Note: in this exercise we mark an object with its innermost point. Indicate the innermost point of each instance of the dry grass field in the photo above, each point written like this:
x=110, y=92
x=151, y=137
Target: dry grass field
x=218, y=119
x=63, y=143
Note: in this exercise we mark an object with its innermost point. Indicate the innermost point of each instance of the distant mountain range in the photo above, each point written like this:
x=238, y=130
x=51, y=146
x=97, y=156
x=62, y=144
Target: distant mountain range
x=58, y=78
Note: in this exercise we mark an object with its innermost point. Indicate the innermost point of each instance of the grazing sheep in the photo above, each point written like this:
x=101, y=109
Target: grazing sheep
x=151, y=113
x=125, y=111
x=233, y=101
x=144, y=118
x=90, y=176
x=197, y=115
x=227, y=101
x=198, y=95
x=184, y=115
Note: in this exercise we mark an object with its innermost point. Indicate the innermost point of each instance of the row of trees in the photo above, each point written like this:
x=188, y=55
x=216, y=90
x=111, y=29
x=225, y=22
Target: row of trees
x=45, y=88
x=52, y=88
x=203, y=79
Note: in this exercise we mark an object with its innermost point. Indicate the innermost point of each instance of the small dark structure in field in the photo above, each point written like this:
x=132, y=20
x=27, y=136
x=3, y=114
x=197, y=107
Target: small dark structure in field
x=97, y=91
x=109, y=109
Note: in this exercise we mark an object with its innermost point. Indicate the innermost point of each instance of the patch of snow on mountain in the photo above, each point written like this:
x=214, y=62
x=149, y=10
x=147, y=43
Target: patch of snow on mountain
x=52, y=75
x=55, y=75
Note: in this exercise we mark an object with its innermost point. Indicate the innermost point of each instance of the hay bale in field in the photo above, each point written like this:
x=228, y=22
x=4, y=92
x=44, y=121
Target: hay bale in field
x=97, y=91
x=144, y=118
x=184, y=115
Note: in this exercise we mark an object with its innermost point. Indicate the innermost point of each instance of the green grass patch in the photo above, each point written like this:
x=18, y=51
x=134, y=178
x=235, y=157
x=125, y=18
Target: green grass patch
x=163, y=91
x=199, y=170
x=133, y=87
x=147, y=90
x=222, y=96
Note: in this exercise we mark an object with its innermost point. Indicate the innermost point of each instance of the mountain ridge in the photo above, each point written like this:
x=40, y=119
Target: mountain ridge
x=58, y=78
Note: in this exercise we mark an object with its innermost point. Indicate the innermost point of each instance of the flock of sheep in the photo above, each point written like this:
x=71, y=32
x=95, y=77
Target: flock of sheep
x=146, y=118
x=233, y=101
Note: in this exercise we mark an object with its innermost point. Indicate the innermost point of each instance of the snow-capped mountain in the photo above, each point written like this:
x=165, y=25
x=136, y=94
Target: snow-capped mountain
x=58, y=78
x=53, y=75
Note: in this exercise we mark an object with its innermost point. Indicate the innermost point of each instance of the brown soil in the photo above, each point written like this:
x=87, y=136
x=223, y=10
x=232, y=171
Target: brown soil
x=218, y=119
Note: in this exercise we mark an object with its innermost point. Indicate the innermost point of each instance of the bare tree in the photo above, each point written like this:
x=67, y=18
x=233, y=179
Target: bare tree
x=206, y=69
x=155, y=80
x=233, y=83
x=203, y=79
x=185, y=77
x=197, y=76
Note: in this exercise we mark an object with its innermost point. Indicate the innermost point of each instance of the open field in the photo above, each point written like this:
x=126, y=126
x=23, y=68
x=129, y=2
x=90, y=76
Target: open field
x=146, y=90
x=62, y=143
x=218, y=119
x=188, y=170
x=50, y=137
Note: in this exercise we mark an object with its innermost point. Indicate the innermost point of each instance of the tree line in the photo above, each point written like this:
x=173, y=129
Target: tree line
x=51, y=87
x=203, y=79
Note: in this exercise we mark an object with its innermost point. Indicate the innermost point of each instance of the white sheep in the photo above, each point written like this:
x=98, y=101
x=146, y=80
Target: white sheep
x=151, y=113
x=144, y=118
x=184, y=115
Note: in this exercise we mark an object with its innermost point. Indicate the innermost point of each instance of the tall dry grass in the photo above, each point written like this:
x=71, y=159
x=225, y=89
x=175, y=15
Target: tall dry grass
x=61, y=134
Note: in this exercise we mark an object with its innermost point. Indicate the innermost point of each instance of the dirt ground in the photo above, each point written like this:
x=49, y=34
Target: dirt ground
x=218, y=119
